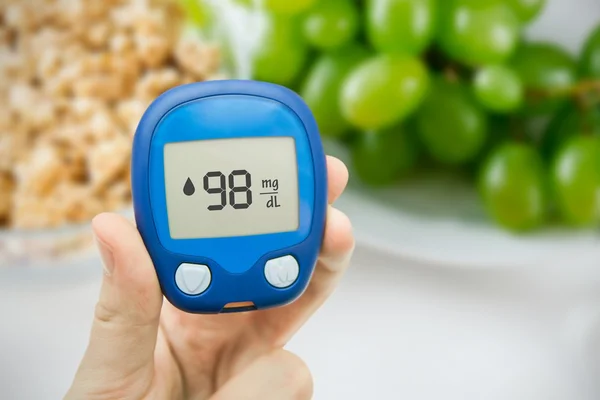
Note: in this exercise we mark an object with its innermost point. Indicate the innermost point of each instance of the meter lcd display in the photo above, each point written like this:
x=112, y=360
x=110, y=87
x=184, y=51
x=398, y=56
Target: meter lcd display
x=231, y=187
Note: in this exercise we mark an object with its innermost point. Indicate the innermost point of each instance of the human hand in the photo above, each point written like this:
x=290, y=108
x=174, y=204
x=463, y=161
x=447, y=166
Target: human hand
x=141, y=348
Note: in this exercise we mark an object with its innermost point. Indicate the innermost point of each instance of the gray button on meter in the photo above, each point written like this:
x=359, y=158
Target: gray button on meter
x=282, y=272
x=193, y=279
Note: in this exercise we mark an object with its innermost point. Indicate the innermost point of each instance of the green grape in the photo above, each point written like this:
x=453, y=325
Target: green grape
x=576, y=181
x=331, y=23
x=451, y=125
x=290, y=7
x=380, y=158
x=544, y=69
x=566, y=123
x=513, y=186
x=323, y=85
x=527, y=10
x=282, y=53
x=405, y=26
x=478, y=32
x=499, y=89
x=589, y=65
x=383, y=91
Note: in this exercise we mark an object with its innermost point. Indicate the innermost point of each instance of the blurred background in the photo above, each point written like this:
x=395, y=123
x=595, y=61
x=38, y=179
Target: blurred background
x=471, y=129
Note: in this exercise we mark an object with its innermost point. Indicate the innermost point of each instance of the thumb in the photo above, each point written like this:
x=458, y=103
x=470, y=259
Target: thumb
x=120, y=354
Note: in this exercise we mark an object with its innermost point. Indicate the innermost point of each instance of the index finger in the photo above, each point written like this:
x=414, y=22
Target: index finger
x=337, y=175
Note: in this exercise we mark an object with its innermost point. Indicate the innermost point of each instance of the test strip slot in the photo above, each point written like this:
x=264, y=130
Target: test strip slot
x=238, y=307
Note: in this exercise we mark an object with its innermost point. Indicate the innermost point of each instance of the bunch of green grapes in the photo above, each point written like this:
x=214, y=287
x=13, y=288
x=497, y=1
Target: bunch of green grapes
x=451, y=84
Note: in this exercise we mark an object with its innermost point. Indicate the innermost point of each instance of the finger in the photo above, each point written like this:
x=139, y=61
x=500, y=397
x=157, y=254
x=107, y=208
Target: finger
x=125, y=324
x=338, y=241
x=279, y=375
x=338, y=245
x=337, y=175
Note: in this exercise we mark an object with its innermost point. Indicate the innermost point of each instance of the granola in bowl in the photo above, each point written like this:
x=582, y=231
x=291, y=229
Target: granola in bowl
x=75, y=78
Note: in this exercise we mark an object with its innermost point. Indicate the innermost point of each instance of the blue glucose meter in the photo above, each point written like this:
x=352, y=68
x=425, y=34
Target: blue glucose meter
x=230, y=194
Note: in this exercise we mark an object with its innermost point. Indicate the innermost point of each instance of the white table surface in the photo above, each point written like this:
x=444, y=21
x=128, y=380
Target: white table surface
x=390, y=332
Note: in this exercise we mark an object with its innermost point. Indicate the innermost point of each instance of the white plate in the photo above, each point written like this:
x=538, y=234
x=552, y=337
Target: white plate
x=441, y=221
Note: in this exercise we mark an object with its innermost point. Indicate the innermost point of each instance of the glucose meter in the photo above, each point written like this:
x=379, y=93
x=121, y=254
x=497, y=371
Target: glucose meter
x=230, y=194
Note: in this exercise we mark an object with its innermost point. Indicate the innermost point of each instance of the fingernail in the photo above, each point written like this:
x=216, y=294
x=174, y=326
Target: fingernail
x=108, y=260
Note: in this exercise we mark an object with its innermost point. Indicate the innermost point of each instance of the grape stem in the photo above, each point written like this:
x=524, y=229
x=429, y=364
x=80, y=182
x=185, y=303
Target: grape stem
x=451, y=74
x=583, y=88
x=518, y=129
x=577, y=90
